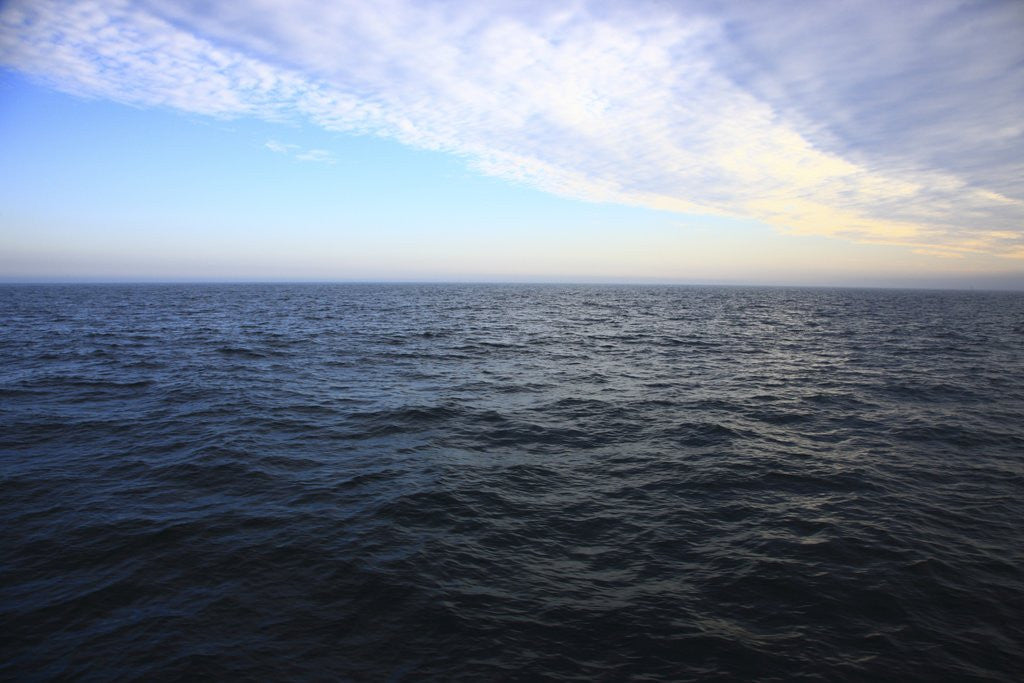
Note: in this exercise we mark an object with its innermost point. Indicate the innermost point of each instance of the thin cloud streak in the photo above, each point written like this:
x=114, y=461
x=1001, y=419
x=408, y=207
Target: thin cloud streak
x=297, y=152
x=684, y=110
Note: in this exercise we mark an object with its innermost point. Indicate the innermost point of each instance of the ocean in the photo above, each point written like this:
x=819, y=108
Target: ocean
x=510, y=483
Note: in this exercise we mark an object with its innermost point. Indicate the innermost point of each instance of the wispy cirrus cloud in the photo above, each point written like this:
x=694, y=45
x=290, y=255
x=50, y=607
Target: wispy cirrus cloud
x=823, y=120
x=297, y=152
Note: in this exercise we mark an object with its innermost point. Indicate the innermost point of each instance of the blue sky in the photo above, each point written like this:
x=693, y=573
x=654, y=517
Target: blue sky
x=824, y=143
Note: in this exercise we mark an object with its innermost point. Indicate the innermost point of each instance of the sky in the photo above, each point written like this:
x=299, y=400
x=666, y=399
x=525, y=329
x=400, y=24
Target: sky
x=834, y=143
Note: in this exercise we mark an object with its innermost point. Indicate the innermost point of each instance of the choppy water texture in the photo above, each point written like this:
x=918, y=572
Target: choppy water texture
x=511, y=483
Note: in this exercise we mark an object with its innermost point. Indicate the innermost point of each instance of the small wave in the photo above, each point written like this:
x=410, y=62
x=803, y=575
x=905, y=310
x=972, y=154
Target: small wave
x=239, y=352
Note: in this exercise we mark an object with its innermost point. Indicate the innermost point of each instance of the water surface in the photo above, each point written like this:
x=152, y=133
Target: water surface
x=492, y=482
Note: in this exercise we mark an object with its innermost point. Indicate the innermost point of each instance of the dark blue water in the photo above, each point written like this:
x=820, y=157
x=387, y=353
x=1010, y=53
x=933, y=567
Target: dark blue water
x=364, y=482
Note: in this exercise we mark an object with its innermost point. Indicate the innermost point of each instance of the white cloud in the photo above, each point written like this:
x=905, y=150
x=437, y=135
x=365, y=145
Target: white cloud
x=321, y=155
x=677, y=109
x=297, y=152
x=280, y=147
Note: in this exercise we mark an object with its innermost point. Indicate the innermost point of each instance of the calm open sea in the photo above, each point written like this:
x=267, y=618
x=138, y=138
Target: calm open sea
x=489, y=482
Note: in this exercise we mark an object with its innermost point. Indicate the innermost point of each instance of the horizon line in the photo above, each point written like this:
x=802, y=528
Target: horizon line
x=1015, y=288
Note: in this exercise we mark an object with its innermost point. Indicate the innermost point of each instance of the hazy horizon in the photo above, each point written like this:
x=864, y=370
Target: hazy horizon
x=993, y=285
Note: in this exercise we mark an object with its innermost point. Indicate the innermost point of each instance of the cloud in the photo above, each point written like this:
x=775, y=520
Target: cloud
x=850, y=120
x=280, y=147
x=320, y=155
